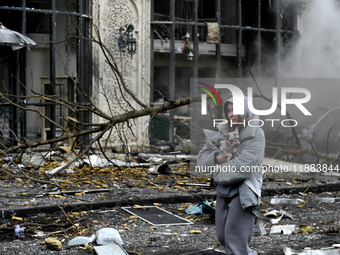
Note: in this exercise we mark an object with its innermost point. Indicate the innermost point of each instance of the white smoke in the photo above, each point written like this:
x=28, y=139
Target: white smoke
x=317, y=52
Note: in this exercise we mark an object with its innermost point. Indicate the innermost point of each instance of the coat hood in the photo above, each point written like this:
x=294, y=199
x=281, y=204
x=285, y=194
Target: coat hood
x=248, y=115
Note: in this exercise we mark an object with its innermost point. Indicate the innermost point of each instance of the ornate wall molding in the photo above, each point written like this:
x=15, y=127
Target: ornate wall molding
x=110, y=16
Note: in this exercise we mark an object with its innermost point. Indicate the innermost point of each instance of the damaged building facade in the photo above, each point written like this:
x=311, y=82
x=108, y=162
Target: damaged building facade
x=24, y=71
x=175, y=40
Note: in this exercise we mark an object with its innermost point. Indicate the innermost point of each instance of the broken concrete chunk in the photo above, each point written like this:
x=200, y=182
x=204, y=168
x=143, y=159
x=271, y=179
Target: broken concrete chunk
x=278, y=229
x=286, y=232
x=32, y=159
x=291, y=201
x=53, y=244
x=325, y=199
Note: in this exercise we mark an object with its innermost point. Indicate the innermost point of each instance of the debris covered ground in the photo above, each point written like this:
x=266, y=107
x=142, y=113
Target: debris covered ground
x=91, y=195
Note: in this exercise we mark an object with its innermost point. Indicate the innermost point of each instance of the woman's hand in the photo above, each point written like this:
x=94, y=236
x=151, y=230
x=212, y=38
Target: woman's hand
x=220, y=159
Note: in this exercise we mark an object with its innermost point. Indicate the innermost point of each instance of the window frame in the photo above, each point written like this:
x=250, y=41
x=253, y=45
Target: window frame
x=84, y=50
x=239, y=28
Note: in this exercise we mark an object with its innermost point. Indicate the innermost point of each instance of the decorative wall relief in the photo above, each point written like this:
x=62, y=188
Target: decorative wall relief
x=111, y=16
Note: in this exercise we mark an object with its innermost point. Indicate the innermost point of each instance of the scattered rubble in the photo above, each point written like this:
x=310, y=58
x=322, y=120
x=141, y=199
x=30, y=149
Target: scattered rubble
x=77, y=204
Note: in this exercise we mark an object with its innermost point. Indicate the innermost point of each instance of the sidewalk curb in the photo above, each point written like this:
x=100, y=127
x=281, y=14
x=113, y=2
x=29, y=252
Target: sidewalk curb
x=25, y=212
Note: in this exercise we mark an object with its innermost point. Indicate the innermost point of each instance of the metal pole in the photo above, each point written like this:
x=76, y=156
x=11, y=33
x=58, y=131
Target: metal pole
x=172, y=72
x=152, y=65
x=236, y=27
x=259, y=53
x=12, y=67
x=218, y=108
x=277, y=36
x=239, y=39
x=295, y=16
x=23, y=119
x=218, y=46
x=80, y=61
x=152, y=54
x=195, y=42
x=23, y=23
x=52, y=66
x=87, y=63
x=32, y=10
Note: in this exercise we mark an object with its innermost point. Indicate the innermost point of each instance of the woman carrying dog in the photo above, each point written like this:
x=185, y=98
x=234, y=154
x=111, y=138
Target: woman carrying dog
x=238, y=192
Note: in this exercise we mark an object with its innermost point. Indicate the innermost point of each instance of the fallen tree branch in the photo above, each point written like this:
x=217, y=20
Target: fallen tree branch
x=104, y=126
x=57, y=232
x=71, y=192
x=81, y=154
x=305, y=191
x=62, y=209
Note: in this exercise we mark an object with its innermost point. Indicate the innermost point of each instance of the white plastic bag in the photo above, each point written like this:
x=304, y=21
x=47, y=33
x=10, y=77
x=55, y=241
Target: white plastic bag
x=108, y=235
x=80, y=240
x=102, y=236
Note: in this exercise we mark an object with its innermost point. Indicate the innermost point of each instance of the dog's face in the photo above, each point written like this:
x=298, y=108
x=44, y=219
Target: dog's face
x=230, y=142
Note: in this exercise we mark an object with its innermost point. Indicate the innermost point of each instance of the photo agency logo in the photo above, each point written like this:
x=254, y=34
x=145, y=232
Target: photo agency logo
x=204, y=97
x=239, y=98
